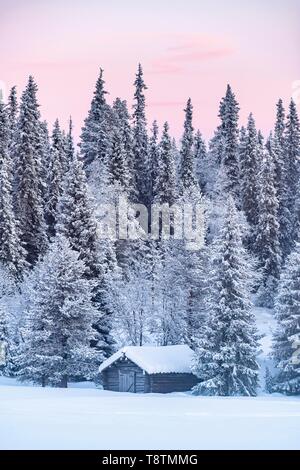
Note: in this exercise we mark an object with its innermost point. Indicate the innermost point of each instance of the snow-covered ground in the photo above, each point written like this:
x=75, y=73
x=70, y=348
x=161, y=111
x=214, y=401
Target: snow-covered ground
x=83, y=417
x=87, y=418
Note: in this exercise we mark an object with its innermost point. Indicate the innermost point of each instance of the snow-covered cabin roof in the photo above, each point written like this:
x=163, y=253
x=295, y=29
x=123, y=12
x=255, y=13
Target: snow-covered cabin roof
x=155, y=359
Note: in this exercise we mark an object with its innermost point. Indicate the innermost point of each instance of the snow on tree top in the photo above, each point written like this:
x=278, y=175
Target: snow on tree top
x=155, y=359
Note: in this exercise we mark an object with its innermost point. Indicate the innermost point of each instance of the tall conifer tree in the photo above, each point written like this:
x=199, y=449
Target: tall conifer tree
x=29, y=201
x=286, y=342
x=267, y=245
x=229, y=115
x=12, y=253
x=187, y=170
x=226, y=354
x=140, y=140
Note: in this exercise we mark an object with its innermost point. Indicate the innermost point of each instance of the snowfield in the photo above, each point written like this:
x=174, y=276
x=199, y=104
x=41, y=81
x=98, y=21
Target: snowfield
x=88, y=418
x=83, y=417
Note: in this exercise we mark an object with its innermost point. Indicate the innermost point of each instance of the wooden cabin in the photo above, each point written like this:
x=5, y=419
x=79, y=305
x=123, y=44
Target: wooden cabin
x=147, y=369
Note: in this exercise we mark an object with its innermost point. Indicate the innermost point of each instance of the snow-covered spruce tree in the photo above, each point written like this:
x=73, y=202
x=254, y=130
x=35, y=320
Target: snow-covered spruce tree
x=28, y=197
x=12, y=253
x=297, y=215
x=153, y=158
x=216, y=172
x=282, y=179
x=59, y=145
x=12, y=110
x=140, y=141
x=286, y=217
x=177, y=158
x=118, y=173
x=69, y=144
x=3, y=338
x=4, y=133
x=260, y=138
x=279, y=142
x=286, y=341
x=214, y=154
x=164, y=194
x=58, y=327
x=122, y=124
x=242, y=148
x=249, y=186
x=187, y=170
x=192, y=265
x=189, y=196
x=8, y=307
x=95, y=133
x=216, y=145
x=200, y=161
x=280, y=122
x=61, y=156
x=75, y=217
x=104, y=299
x=267, y=245
x=195, y=266
x=165, y=187
x=45, y=158
x=76, y=221
x=229, y=115
x=10, y=301
x=6, y=287
x=226, y=354
x=54, y=190
x=287, y=150
x=269, y=380
x=274, y=148
x=3, y=328
x=292, y=154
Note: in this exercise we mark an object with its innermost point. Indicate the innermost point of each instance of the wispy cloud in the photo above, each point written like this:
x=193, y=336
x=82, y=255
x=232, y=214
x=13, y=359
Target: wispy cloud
x=165, y=66
x=191, y=49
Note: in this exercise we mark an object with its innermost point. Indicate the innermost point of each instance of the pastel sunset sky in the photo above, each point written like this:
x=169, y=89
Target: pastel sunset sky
x=187, y=48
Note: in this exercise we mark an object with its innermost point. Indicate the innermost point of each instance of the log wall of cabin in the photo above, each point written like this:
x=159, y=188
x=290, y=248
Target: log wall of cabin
x=110, y=376
x=166, y=383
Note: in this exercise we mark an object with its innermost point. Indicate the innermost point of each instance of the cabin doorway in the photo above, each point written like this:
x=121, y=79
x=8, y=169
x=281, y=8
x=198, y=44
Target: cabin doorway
x=127, y=382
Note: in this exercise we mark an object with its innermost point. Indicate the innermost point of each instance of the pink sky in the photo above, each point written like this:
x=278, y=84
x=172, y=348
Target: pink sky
x=187, y=48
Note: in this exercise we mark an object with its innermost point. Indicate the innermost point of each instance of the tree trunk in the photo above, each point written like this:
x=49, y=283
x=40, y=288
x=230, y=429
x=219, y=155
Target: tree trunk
x=64, y=382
